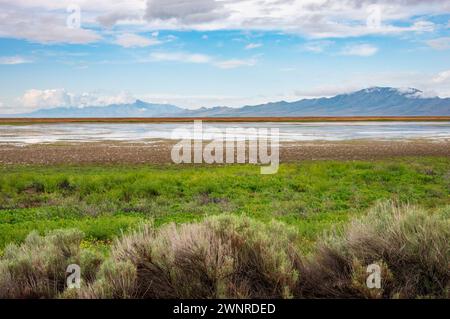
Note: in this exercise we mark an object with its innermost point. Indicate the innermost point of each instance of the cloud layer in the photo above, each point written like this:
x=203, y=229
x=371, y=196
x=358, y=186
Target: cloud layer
x=198, y=58
x=363, y=50
x=131, y=40
x=45, y=21
x=12, y=60
x=440, y=43
x=40, y=99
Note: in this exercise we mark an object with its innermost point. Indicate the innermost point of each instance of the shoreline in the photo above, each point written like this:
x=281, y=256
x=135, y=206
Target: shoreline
x=158, y=151
x=29, y=121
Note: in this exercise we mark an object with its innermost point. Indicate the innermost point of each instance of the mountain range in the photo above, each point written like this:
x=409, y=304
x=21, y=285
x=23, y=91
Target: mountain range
x=376, y=101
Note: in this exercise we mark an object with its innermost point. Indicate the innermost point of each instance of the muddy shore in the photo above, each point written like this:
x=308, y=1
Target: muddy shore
x=158, y=151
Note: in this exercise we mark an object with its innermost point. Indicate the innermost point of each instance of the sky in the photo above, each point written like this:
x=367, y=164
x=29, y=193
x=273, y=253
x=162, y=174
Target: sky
x=205, y=53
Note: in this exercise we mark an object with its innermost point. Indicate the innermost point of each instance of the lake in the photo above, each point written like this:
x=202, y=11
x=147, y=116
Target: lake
x=146, y=132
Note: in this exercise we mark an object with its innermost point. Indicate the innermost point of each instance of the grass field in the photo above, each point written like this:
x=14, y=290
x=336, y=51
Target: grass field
x=104, y=201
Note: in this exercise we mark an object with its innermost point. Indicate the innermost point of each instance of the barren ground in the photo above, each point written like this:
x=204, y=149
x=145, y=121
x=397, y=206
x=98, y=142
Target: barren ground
x=158, y=151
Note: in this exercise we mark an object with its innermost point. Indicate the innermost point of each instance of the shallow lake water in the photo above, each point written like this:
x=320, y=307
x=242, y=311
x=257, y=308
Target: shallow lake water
x=142, y=132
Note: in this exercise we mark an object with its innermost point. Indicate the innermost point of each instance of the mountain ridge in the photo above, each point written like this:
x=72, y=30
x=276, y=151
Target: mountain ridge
x=374, y=101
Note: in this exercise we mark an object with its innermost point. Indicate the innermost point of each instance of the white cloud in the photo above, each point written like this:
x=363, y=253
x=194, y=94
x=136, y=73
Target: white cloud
x=187, y=12
x=440, y=43
x=423, y=26
x=31, y=23
x=288, y=69
x=251, y=46
x=180, y=57
x=186, y=57
x=39, y=99
x=109, y=19
x=317, y=46
x=10, y=60
x=131, y=40
x=45, y=98
x=171, y=37
x=324, y=18
x=45, y=20
x=101, y=99
x=234, y=63
x=441, y=77
x=363, y=50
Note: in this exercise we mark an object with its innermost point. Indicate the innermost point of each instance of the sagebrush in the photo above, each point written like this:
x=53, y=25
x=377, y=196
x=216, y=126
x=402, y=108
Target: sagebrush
x=231, y=256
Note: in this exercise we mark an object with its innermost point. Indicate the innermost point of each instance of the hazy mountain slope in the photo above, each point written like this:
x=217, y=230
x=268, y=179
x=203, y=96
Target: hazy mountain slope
x=377, y=101
x=136, y=109
x=373, y=101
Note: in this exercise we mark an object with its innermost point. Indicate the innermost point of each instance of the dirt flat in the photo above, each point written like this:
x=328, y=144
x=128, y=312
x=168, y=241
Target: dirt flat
x=222, y=119
x=158, y=151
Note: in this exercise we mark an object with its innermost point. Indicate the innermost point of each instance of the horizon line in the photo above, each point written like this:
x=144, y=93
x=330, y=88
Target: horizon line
x=56, y=120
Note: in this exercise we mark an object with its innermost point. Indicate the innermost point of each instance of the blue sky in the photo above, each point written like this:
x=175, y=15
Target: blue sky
x=208, y=53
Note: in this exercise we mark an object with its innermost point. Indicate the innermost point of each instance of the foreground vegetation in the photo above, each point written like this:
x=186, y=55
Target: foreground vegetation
x=310, y=196
x=237, y=257
x=226, y=231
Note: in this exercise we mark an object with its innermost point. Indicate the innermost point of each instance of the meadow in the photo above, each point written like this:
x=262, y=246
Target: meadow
x=211, y=231
x=105, y=201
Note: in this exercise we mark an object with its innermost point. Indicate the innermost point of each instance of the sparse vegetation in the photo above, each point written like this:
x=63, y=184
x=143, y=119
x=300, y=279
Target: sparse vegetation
x=237, y=257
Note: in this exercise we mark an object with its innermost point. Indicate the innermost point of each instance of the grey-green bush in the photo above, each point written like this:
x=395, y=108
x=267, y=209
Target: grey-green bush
x=410, y=245
x=37, y=267
x=220, y=257
x=237, y=257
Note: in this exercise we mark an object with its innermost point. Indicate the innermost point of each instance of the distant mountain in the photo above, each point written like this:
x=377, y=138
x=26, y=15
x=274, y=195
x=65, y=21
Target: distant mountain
x=136, y=109
x=376, y=101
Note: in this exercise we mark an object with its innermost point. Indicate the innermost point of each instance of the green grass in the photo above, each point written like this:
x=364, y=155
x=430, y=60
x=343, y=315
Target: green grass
x=311, y=196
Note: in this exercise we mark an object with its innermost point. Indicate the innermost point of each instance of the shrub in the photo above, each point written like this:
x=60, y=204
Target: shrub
x=90, y=263
x=65, y=185
x=410, y=245
x=231, y=256
x=37, y=268
x=220, y=257
x=116, y=280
